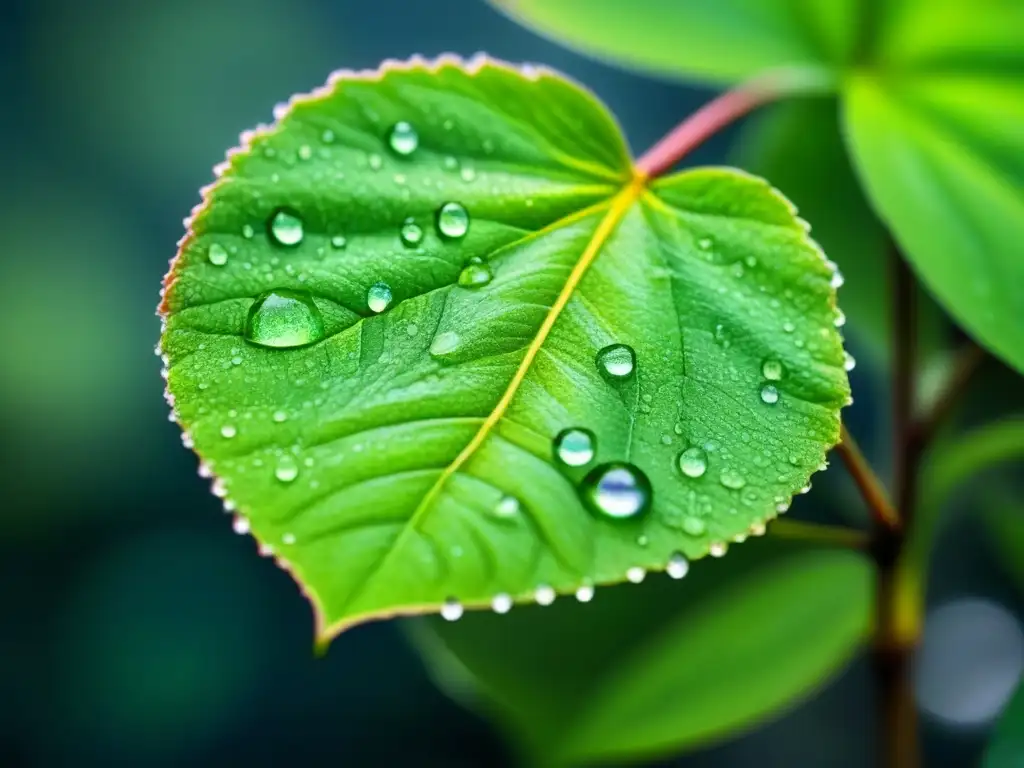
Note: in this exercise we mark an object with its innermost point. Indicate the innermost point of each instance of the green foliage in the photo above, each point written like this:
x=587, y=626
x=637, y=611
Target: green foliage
x=657, y=667
x=392, y=302
x=1007, y=747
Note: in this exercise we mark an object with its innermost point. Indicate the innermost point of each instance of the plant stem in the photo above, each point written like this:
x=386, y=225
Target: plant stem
x=867, y=481
x=723, y=110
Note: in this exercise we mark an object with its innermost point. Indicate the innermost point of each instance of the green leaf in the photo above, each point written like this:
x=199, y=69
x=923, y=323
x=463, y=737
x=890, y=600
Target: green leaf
x=715, y=40
x=647, y=670
x=935, y=132
x=1002, y=517
x=1007, y=747
x=797, y=144
x=384, y=420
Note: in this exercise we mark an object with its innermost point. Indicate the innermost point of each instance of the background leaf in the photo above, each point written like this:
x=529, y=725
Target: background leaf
x=1007, y=747
x=716, y=40
x=391, y=305
x=649, y=669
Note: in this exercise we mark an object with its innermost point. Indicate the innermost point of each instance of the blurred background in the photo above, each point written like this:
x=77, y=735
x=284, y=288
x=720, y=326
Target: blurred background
x=135, y=628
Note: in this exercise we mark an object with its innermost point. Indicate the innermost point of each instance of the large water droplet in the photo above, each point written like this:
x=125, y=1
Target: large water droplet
x=677, y=566
x=452, y=220
x=693, y=462
x=285, y=227
x=616, y=490
x=475, y=275
x=286, y=470
x=772, y=369
x=730, y=478
x=694, y=526
x=411, y=233
x=769, y=394
x=444, y=343
x=284, y=319
x=217, y=254
x=451, y=609
x=575, y=446
x=617, y=361
x=378, y=298
x=403, y=138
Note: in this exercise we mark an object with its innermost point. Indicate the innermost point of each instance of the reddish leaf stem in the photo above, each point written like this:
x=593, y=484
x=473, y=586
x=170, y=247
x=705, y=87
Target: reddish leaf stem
x=867, y=481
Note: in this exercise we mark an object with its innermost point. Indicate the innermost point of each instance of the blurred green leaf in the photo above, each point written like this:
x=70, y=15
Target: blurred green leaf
x=935, y=133
x=646, y=670
x=1007, y=747
x=1002, y=515
x=714, y=40
x=412, y=238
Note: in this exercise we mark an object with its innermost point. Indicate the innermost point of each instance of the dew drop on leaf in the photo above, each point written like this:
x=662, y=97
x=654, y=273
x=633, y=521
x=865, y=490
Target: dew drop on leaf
x=693, y=462
x=848, y=362
x=501, y=603
x=286, y=470
x=585, y=593
x=240, y=525
x=217, y=254
x=772, y=369
x=284, y=319
x=338, y=242
x=575, y=446
x=228, y=431
x=677, y=566
x=280, y=417
x=403, y=138
x=730, y=478
x=769, y=394
x=616, y=490
x=507, y=506
x=617, y=361
x=444, y=344
x=451, y=610
x=694, y=526
x=544, y=595
x=705, y=243
x=248, y=231
x=285, y=227
x=378, y=297
x=718, y=549
x=452, y=221
x=636, y=574
x=411, y=233
x=475, y=275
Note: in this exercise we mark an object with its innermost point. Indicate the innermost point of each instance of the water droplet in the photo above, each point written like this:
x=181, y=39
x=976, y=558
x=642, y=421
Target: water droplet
x=718, y=549
x=837, y=279
x=475, y=276
x=694, y=526
x=705, y=243
x=788, y=327
x=507, y=506
x=228, y=431
x=327, y=137
x=288, y=539
x=544, y=595
x=721, y=337
x=840, y=319
x=411, y=329
x=575, y=446
x=642, y=540
x=444, y=343
x=338, y=241
x=280, y=416
x=636, y=574
x=240, y=525
x=772, y=369
x=285, y=227
x=305, y=152
x=403, y=138
x=730, y=478
x=501, y=603
x=585, y=593
x=375, y=162
x=286, y=470
x=248, y=231
x=452, y=220
x=616, y=490
x=758, y=529
x=617, y=361
x=693, y=462
x=378, y=298
x=467, y=173
x=848, y=362
x=769, y=394
x=678, y=565
x=451, y=609
x=217, y=254
x=411, y=233
x=284, y=319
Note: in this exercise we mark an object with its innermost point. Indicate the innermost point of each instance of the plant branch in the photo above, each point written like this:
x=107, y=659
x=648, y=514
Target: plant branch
x=871, y=488
x=968, y=359
x=830, y=535
x=723, y=110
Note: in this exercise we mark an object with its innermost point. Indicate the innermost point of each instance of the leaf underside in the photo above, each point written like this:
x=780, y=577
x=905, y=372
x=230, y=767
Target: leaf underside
x=405, y=459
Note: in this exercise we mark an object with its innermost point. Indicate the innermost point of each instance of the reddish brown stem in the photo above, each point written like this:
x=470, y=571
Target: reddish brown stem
x=871, y=488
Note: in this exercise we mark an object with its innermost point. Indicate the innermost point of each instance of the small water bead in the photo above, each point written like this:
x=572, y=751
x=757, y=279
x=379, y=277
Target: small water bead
x=475, y=275
x=788, y=327
x=228, y=431
x=285, y=227
x=544, y=595
x=575, y=446
x=585, y=593
x=772, y=369
x=286, y=470
x=617, y=361
x=451, y=609
x=501, y=603
x=848, y=362
x=217, y=254
x=636, y=574
x=305, y=152
x=452, y=221
x=444, y=343
x=467, y=173
x=730, y=478
x=837, y=279
x=507, y=506
x=693, y=462
x=694, y=526
x=769, y=394
x=616, y=490
x=678, y=566
x=240, y=525
x=338, y=242
x=758, y=529
x=248, y=231
x=705, y=243
x=840, y=319
x=411, y=330
x=378, y=297
x=288, y=539
x=280, y=417
x=284, y=319
x=411, y=233
x=718, y=549
x=375, y=161
x=403, y=138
